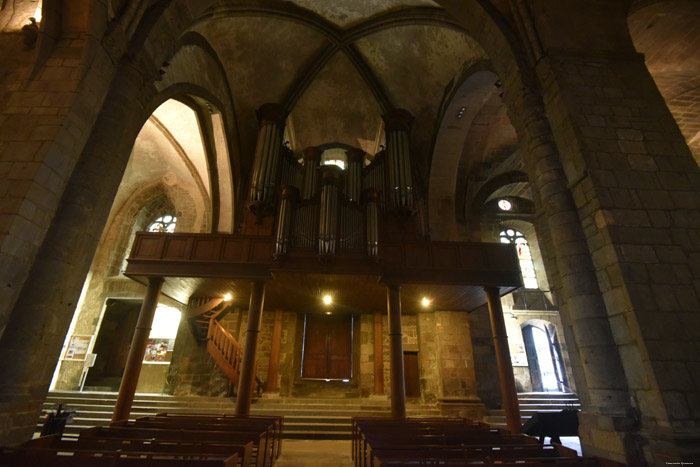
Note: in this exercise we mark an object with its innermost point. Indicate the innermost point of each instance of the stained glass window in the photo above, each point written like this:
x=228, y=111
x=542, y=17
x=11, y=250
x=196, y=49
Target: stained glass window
x=164, y=223
x=526, y=266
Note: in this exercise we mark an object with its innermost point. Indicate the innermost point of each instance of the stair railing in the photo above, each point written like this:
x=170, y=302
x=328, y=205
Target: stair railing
x=225, y=350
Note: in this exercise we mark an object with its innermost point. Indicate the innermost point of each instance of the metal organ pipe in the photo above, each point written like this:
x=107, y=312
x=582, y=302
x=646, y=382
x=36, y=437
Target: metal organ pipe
x=370, y=196
x=311, y=157
x=398, y=123
x=328, y=221
x=353, y=174
x=284, y=221
x=267, y=152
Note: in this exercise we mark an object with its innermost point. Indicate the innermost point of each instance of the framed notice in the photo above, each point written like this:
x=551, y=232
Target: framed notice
x=518, y=357
x=78, y=347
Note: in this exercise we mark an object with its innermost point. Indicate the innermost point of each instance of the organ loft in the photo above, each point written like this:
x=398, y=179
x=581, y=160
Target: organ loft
x=464, y=209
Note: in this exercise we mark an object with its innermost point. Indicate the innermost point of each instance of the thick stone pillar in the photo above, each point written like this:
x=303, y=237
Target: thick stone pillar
x=378, y=354
x=134, y=361
x=509, y=394
x=273, y=367
x=398, y=390
x=247, y=376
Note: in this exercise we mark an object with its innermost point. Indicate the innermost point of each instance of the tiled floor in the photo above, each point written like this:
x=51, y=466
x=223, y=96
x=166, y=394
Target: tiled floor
x=331, y=453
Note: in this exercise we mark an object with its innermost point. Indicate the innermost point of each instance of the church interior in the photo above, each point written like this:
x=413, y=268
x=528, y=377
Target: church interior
x=428, y=206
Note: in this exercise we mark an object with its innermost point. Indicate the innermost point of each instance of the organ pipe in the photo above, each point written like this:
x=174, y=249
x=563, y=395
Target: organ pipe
x=353, y=174
x=289, y=194
x=267, y=154
x=311, y=157
x=328, y=219
x=398, y=123
x=370, y=196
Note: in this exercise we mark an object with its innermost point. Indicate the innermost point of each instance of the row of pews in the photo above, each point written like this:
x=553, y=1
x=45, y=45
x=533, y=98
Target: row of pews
x=378, y=442
x=160, y=440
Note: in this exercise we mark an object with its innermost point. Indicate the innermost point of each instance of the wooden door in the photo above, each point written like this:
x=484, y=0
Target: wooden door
x=327, y=347
x=410, y=374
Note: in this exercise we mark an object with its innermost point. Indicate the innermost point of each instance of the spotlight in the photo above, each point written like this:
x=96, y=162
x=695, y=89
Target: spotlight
x=327, y=299
x=425, y=302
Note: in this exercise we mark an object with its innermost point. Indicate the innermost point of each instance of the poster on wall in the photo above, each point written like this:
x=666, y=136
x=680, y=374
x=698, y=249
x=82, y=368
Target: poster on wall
x=518, y=357
x=78, y=347
x=159, y=351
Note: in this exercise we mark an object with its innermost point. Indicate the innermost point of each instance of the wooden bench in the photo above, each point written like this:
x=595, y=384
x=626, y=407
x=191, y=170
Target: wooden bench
x=243, y=451
x=258, y=439
x=383, y=442
x=273, y=423
x=37, y=457
x=263, y=449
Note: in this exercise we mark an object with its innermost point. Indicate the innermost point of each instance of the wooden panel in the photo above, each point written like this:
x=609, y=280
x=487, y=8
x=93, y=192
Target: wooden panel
x=233, y=250
x=392, y=254
x=261, y=251
x=205, y=249
x=410, y=371
x=147, y=247
x=445, y=256
x=176, y=248
x=418, y=256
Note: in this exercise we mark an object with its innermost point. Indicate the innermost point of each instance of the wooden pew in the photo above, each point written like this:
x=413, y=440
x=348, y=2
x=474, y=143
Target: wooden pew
x=264, y=449
x=243, y=451
x=275, y=422
x=36, y=457
x=204, y=436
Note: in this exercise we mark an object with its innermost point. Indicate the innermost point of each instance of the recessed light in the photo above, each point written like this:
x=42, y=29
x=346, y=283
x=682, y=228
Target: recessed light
x=425, y=302
x=327, y=299
x=227, y=297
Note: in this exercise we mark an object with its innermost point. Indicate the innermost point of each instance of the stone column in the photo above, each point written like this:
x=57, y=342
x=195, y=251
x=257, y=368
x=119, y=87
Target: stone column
x=247, y=377
x=134, y=361
x=505, y=368
x=273, y=367
x=378, y=354
x=398, y=391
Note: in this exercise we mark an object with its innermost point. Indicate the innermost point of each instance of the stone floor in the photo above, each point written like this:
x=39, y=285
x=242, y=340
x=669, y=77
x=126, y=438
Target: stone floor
x=312, y=453
x=333, y=453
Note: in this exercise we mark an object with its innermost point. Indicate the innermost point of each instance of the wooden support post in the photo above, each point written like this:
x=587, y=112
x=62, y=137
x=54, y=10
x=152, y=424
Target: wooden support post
x=130, y=379
x=505, y=368
x=378, y=354
x=398, y=391
x=247, y=377
x=273, y=367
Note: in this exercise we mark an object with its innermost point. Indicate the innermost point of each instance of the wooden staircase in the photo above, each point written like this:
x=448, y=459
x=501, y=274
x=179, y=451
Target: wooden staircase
x=204, y=316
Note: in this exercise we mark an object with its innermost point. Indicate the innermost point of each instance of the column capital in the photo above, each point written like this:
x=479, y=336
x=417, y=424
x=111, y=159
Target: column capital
x=398, y=119
x=330, y=174
x=312, y=153
x=271, y=113
x=355, y=155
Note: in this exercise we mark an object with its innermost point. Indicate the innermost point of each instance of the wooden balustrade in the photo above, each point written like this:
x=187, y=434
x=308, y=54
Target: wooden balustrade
x=225, y=350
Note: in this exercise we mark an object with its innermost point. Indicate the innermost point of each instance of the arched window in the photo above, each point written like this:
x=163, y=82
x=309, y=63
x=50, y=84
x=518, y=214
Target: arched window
x=526, y=266
x=165, y=223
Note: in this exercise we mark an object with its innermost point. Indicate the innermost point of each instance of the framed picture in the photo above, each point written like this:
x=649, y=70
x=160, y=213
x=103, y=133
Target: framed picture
x=159, y=351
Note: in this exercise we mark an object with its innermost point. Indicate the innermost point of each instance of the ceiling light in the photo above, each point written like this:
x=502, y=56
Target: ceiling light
x=327, y=299
x=425, y=302
x=505, y=205
x=227, y=297
x=328, y=312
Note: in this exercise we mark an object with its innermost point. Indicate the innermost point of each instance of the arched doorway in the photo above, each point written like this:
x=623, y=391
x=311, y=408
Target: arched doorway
x=544, y=357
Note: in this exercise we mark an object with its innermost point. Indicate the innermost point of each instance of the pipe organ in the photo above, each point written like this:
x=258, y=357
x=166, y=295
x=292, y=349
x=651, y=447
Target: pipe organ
x=323, y=208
